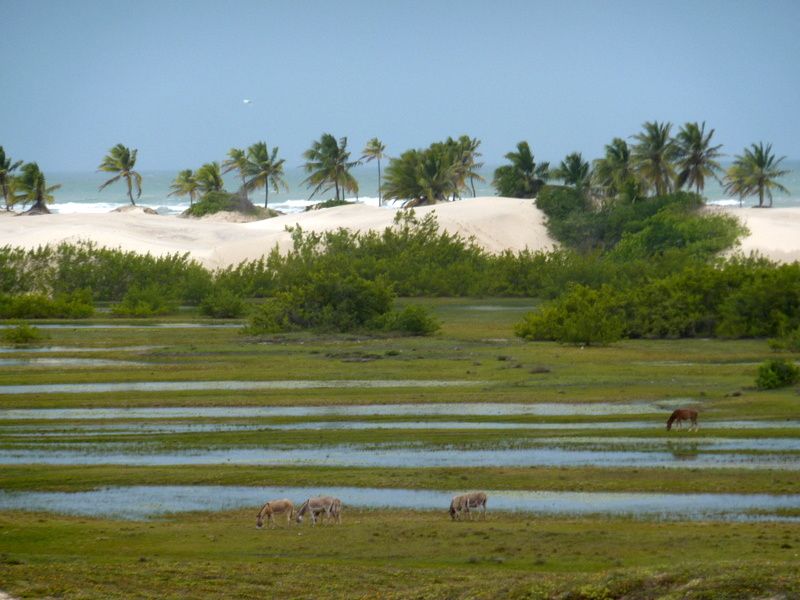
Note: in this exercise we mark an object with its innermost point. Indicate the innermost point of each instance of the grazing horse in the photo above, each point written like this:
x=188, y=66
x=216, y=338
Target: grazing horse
x=464, y=502
x=680, y=415
x=321, y=507
x=275, y=507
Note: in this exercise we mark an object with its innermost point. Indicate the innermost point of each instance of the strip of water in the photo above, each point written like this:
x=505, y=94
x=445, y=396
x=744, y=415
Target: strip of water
x=474, y=409
x=71, y=349
x=184, y=386
x=137, y=326
x=405, y=456
x=144, y=502
x=68, y=362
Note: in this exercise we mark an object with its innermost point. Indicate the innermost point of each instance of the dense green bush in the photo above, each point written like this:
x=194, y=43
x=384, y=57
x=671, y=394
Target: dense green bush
x=328, y=204
x=214, y=202
x=788, y=342
x=412, y=320
x=581, y=316
x=149, y=301
x=777, y=373
x=223, y=304
x=77, y=305
x=22, y=334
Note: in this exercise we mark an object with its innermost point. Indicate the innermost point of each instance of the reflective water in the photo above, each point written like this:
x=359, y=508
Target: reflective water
x=136, y=326
x=72, y=349
x=477, y=409
x=379, y=455
x=67, y=362
x=61, y=429
x=179, y=386
x=142, y=502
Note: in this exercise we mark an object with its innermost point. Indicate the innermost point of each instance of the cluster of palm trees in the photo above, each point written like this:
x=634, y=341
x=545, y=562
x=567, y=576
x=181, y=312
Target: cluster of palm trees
x=440, y=172
x=29, y=186
x=655, y=163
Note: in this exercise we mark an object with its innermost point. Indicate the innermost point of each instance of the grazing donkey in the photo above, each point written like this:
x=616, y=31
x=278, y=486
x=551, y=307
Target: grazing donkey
x=463, y=503
x=272, y=508
x=680, y=415
x=321, y=507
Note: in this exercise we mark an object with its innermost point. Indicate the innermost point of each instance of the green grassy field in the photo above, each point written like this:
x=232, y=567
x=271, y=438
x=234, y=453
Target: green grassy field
x=399, y=554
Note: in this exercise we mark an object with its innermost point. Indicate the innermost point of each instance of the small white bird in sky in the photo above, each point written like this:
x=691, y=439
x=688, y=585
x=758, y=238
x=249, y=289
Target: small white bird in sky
x=247, y=101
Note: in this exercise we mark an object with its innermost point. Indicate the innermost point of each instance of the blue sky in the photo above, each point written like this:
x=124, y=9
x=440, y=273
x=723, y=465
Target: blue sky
x=169, y=77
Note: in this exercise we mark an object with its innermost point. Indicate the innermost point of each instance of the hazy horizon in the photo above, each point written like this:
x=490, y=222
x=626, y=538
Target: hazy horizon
x=170, y=79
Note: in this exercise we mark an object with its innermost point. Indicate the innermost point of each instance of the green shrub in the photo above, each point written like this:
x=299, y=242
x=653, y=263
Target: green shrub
x=412, y=320
x=22, y=334
x=77, y=305
x=777, y=373
x=214, y=202
x=149, y=301
x=328, y=204
x=581, y=316
x=789, y=342
x=223, y=304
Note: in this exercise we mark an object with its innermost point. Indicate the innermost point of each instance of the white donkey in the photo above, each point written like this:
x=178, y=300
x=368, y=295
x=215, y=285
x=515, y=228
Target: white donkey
x=322, y=507
x=275, y=507
x=463, y=503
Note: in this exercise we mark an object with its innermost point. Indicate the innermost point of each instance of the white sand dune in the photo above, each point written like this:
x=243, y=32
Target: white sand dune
x=496, y=224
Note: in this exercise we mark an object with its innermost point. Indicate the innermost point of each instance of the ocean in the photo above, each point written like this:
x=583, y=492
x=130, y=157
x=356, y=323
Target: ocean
x=79, y=191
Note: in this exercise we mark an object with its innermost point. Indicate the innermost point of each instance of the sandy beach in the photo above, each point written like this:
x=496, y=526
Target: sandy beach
x=495, y=223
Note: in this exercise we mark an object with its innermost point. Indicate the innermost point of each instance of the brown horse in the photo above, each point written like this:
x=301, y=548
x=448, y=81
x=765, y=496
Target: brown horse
x=275, y=507
x=461, y=504
x=680, y=415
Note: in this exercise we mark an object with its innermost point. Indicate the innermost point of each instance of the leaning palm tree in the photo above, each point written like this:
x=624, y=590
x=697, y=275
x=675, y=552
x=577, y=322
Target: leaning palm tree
x=263, y=169
x=121, y=160
x=653, y=157
x=375, y=150
x=696, y=157
x=33, y=188
x=7, y=167
x=236, y=161
x=755, y=172
x=209, y=178
x=185, y=184
x=328, y=164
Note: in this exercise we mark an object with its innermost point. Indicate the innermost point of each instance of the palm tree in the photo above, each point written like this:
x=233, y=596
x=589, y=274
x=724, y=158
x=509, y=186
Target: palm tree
x=185, y=184
x=121, y=160
x=237, y=161
x=209, y=178
x=574, y=171
x=33, y=186
x=375, y=150
x=328, y=164
x=653, y=157
x=523, y=178
x=264, y=169
x=468, y=149
x=7, y=167
x=755, y=172
x=696, y=156
x=614, y=170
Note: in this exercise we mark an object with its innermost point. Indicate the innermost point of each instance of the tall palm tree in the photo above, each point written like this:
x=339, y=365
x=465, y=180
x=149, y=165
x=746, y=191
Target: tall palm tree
x=263, y=169
x=236, y=161
x=328, y=164
x=756, y=172
x=574, y=171
x=375, y=150
x=185, y=184
x=468, y=149
x=121, y=160
x=654, y=155
x=7, y=167
x=33, y=188
x=523, y=178
x=209, y=178
x=615, y=169
x=696, y=156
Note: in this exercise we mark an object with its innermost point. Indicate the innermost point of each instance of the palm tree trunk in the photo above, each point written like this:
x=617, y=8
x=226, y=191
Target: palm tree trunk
x=472, y=185
x=244, y=188
x=266, y=195
x=380, y=199
x=130, y=190
x=760, y=197
x=336, y=183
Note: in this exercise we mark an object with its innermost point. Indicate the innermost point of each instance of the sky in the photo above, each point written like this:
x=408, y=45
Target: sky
x=169, y=77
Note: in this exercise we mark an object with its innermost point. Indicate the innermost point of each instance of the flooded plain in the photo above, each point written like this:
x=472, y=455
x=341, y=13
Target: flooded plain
x=144, y=502
x=402, y=455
